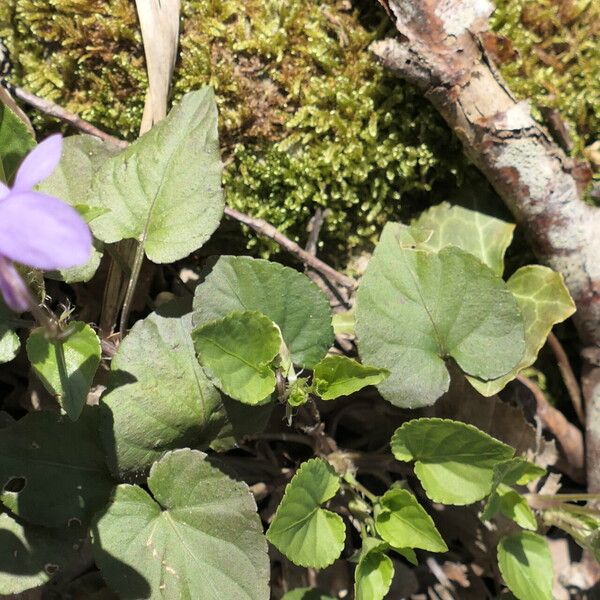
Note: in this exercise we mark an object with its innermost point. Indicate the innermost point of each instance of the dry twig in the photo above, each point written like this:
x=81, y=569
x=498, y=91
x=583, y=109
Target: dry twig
x=263, y=228
x=568, y=435
x=568, y=376
x=54, y=110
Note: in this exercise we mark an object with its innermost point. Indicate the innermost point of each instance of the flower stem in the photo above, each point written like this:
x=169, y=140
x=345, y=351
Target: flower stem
x=351, y=480
x=133, y=279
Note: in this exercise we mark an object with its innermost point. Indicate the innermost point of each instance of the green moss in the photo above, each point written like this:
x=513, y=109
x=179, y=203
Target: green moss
x=307, y=118
x=557, y=61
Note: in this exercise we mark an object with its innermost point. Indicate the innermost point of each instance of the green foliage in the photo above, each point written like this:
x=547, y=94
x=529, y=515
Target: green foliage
x=141, y=418
x=323, y=124
x=403, y=523
x=482, y=236
x=164, y=190
x=31, y=556
x=197, y=536
x=416, y=308
x=374, y=571
x=66, y=367
x=513, y=506
x=507, y=501
x=432, y=293
x=71, y=181
x=57, y=482
x=237, y=353
x=337, y=376
x=307, y=534
x=526, y=565
x=15, y=142
x=453, y=461
x=293, y=302
x=543, y=300
x=299, y=392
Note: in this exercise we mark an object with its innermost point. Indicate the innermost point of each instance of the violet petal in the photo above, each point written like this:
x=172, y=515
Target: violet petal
x=38, y=164
x=4, y=190
x=15, y=292
x=43, y=232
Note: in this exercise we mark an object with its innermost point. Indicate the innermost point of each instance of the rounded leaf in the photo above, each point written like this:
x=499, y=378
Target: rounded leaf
x=287, y=297
x=307, y=534
x=158, y=397
x=454, y=461
x=526, y=565
x=337, y=376
x=199, y=537
x=403, y=523
x=544, y=301
x=31, y=556
x=483, y=236
x=60, y=464
x=417, y=308
x=237, y=353
x=66, y=367
x=374, y=572
x=164, y=190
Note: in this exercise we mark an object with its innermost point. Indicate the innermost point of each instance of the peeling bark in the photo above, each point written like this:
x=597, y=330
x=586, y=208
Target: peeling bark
x=440, y=50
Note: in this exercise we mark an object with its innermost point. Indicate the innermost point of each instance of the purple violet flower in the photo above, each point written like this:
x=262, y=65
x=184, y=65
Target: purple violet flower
x=37, y=230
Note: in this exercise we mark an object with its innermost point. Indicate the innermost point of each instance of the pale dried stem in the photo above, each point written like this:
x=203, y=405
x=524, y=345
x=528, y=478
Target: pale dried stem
x=568, y=435
x=568, y=376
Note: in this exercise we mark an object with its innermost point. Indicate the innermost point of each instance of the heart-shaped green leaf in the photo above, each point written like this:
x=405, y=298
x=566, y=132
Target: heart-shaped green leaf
x=374, y=572
x=526, y=565
x=483, y=236
x=402, y=522
x=198, y=537
x=31, y=556
x=337, y=376
x=237, y=353
x=82, y=157
x=158, y=397
x=544, y=301
x=15, y=142
x=58, y=466
x=307, y=534
x=66, y=367
x=287, y=297
x=164, y=190
x=417, y=308
x=453, y=461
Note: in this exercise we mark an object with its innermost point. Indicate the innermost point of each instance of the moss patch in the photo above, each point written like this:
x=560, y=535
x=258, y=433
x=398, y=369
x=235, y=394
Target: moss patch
x=307, y=118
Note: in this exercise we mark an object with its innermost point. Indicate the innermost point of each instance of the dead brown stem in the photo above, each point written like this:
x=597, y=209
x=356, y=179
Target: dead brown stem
x=568, y=435
x=568, y=376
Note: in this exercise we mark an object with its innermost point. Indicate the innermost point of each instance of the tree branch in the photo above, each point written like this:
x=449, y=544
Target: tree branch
x=263, y=228
x=440, y=51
